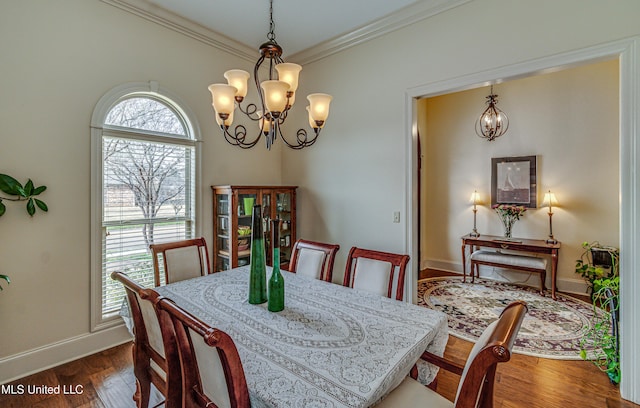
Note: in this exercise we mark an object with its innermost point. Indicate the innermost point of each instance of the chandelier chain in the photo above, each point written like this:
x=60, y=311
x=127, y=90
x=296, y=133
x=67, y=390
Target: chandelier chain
x=271, y=35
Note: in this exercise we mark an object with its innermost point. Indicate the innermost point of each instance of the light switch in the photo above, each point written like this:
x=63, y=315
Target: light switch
x=396, y=216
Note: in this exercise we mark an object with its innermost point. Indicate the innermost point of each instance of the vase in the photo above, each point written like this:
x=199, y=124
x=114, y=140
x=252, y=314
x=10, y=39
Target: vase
x=248, y=205
x=258, y=268
x=507, y=223
x=276, y=282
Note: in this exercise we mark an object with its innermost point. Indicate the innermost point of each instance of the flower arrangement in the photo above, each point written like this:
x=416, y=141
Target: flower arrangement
x=508, y=210
x=509, y=214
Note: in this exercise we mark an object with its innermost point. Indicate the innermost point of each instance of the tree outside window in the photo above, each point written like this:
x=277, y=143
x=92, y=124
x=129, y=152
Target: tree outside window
x=148, y=181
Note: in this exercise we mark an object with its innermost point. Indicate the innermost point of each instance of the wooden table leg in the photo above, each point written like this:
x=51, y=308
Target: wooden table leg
x=554, y=269
x=464, y=263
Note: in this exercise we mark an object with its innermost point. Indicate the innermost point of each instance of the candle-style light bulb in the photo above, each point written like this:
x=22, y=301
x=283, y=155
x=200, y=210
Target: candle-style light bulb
x=550, y=201
x=475, y=199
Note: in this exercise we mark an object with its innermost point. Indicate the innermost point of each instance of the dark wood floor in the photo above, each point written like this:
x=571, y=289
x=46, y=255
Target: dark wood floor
x=534, y=382
x=107, y=381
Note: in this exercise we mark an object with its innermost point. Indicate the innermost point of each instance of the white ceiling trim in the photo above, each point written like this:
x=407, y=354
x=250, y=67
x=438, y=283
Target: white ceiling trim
x=400, y=19
x=395, y=21
x=184, y=26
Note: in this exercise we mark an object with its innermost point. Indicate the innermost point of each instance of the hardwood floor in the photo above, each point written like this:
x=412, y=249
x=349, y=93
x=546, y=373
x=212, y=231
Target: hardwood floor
x=535, y=382
x=103, y=379
x=106, y=380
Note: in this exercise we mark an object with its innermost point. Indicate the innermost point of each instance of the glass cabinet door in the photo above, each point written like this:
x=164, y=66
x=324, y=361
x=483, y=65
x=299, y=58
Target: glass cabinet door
x=223, y=237
x=266, y=224
x=232, y=230
x=283, y=212
x=244, y=210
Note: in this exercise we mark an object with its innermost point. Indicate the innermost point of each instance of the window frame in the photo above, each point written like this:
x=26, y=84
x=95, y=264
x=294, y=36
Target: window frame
x=99, y=130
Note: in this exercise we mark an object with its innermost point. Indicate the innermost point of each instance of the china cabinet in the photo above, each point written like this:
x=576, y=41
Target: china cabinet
x=232, y=208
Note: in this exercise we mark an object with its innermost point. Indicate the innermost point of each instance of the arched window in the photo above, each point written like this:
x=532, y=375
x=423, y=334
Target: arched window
x=144, y=164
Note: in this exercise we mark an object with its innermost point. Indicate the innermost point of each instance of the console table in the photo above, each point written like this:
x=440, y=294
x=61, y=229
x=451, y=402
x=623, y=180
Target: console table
x=537, y=246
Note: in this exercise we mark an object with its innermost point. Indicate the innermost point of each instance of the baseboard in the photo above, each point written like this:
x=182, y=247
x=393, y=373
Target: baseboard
x=441, y=265
x=575, y=286
x=51, y=355
x=565, y=285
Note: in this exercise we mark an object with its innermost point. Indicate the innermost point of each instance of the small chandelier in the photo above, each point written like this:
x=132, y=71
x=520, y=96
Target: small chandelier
x=277, y=95
x=493, y=122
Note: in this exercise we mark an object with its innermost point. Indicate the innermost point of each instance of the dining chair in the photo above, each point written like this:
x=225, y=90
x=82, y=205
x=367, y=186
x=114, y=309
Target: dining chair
x=376, y=271
x=313, y=259
x=181, y=260
x=212, y=372
x=477, y=376
x=154, y=360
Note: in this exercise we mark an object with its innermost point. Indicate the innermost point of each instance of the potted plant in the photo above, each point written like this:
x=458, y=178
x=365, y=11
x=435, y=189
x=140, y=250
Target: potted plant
x=5, y=277
x=14, y=191
x=603, y=334
x=597, y=262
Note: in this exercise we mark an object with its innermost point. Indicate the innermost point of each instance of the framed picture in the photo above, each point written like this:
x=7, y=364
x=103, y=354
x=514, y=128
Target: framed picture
x=513, y=181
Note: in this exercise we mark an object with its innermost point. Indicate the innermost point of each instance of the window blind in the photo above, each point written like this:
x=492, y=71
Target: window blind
x=148, y=197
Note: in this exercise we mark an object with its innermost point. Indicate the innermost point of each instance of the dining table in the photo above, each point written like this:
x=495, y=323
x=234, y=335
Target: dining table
x=331, y=346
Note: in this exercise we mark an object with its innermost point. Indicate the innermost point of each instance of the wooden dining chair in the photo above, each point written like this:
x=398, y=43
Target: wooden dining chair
x=376, y=271
x=313, y=259
x=154, y=362
x=181, y=260
x=477, y=376
x=211, y=368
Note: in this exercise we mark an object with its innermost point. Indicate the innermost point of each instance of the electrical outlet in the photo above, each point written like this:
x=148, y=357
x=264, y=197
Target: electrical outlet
x=396, y=216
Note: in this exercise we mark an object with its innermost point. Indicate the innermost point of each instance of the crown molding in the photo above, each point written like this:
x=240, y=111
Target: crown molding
x=172, y=21
x=395, y=21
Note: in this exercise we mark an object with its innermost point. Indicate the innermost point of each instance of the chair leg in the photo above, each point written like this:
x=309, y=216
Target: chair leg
x=543, y=277
x=474, y=268
x=143, y=382
x=143, y=394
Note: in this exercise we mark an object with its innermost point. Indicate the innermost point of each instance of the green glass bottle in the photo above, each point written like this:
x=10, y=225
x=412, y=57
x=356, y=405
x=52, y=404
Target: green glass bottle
x=258, y=268
x=276, y=283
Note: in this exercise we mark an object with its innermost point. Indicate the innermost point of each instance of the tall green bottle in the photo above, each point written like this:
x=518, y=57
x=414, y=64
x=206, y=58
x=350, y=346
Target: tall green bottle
x=276, y=283
x=258, y=269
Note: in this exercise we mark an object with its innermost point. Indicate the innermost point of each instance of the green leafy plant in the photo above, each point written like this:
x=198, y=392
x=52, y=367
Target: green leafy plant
x=603, y=333
x=597, y=262
x=18, y=192
x=5, y=277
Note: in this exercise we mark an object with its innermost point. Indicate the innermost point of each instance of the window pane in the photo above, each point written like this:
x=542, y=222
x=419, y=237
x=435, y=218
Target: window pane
x=148, y=197
x=146, y=114
x=144, y=179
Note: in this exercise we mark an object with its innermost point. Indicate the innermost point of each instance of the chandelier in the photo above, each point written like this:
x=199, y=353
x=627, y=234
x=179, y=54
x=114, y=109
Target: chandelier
x=493, y=122
x=277, y=95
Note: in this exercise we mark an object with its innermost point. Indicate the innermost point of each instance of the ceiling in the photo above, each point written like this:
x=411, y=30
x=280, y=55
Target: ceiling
x=306, y=29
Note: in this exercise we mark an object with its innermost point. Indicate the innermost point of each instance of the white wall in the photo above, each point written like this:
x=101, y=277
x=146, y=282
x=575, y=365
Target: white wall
x=58, y=59
x=61, y=57
x=570, y=121
x=354, y=177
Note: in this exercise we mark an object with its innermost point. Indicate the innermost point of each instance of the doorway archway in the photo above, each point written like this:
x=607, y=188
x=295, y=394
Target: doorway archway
x=628, y=53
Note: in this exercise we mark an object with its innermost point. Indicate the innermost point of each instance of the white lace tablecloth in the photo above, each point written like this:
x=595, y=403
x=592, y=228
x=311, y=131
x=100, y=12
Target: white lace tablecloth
x=331, y=346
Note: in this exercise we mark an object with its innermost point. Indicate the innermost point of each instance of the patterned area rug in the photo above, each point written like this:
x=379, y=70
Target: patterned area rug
x=551, y=329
